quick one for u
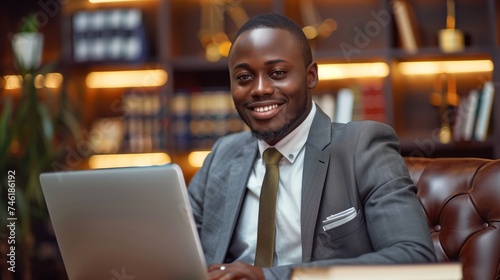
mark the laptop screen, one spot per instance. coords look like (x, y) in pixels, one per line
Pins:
(124, 222)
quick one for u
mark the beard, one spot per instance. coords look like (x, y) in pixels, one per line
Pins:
(271, 135)
(282, 131)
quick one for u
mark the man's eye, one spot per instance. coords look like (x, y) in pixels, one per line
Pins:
(244, 77)
(277, 73)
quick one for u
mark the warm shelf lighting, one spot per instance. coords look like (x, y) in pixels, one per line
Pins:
(438, 67)
(123, 79)
(197, 158)
(352, 70)
(50, 80)
(12, 81)
(128, 160)
(113, 1)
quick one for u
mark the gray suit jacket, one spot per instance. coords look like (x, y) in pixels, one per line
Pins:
(346, 165)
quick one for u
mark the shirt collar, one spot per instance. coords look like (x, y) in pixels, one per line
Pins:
(291, 144)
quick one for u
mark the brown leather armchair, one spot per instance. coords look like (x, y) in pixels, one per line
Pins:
(461, 197)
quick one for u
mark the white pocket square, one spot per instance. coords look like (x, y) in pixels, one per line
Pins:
(339, 219)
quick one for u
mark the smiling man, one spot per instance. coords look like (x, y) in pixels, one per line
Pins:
(270, 81)
(344, 195)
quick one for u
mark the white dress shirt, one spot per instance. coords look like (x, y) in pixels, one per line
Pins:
(288, 246)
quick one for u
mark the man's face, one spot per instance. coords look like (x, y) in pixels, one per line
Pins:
(270, 82)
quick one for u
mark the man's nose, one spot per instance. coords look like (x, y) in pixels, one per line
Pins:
(263, 86)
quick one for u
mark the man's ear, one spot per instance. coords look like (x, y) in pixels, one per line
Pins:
(312, 75)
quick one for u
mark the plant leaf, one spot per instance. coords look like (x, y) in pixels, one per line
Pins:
(72, 124)
(47, 125)
(5, 130)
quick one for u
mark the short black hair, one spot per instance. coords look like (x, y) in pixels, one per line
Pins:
(273, 20)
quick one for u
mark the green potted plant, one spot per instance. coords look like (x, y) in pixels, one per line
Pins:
(34, 130)
(27, 44)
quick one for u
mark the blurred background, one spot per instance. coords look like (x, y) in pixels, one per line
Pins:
(105, 83)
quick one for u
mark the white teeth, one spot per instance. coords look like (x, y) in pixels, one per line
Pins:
(265, 109)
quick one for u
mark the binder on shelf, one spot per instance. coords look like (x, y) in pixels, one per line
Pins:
(470, 109)
(180, 112)
(459, 121)
(406, 25)
(484, 111)
(373, 103)
(345, 104)
(357, 103)
(80, 36)
(196, 119)
(326, 102)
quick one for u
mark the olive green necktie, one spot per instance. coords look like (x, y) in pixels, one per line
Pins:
(267, 210)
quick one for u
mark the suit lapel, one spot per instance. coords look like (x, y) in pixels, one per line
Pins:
(315, 169)
(241, 166)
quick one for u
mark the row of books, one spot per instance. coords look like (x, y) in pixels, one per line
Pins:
(144, 118)
(358, 102)
(199, 117)
(109, 35)
(473, 114)
(141, 128)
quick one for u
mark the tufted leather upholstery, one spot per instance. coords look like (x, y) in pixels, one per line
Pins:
(461, 197)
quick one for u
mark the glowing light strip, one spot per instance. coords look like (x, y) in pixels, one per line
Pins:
(50, 80)
(197, 158)
(127, 160)
(352, 70)
(437, 67)
(13, 81)
(123, 79)
(113, 1)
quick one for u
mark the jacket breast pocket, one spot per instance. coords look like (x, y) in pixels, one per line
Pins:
(353, 230)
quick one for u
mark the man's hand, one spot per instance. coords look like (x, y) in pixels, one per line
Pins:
(237, 270)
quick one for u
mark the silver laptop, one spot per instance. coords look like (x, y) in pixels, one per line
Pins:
(124, 223)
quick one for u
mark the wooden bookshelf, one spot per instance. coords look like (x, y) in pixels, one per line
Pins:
(172, 29)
